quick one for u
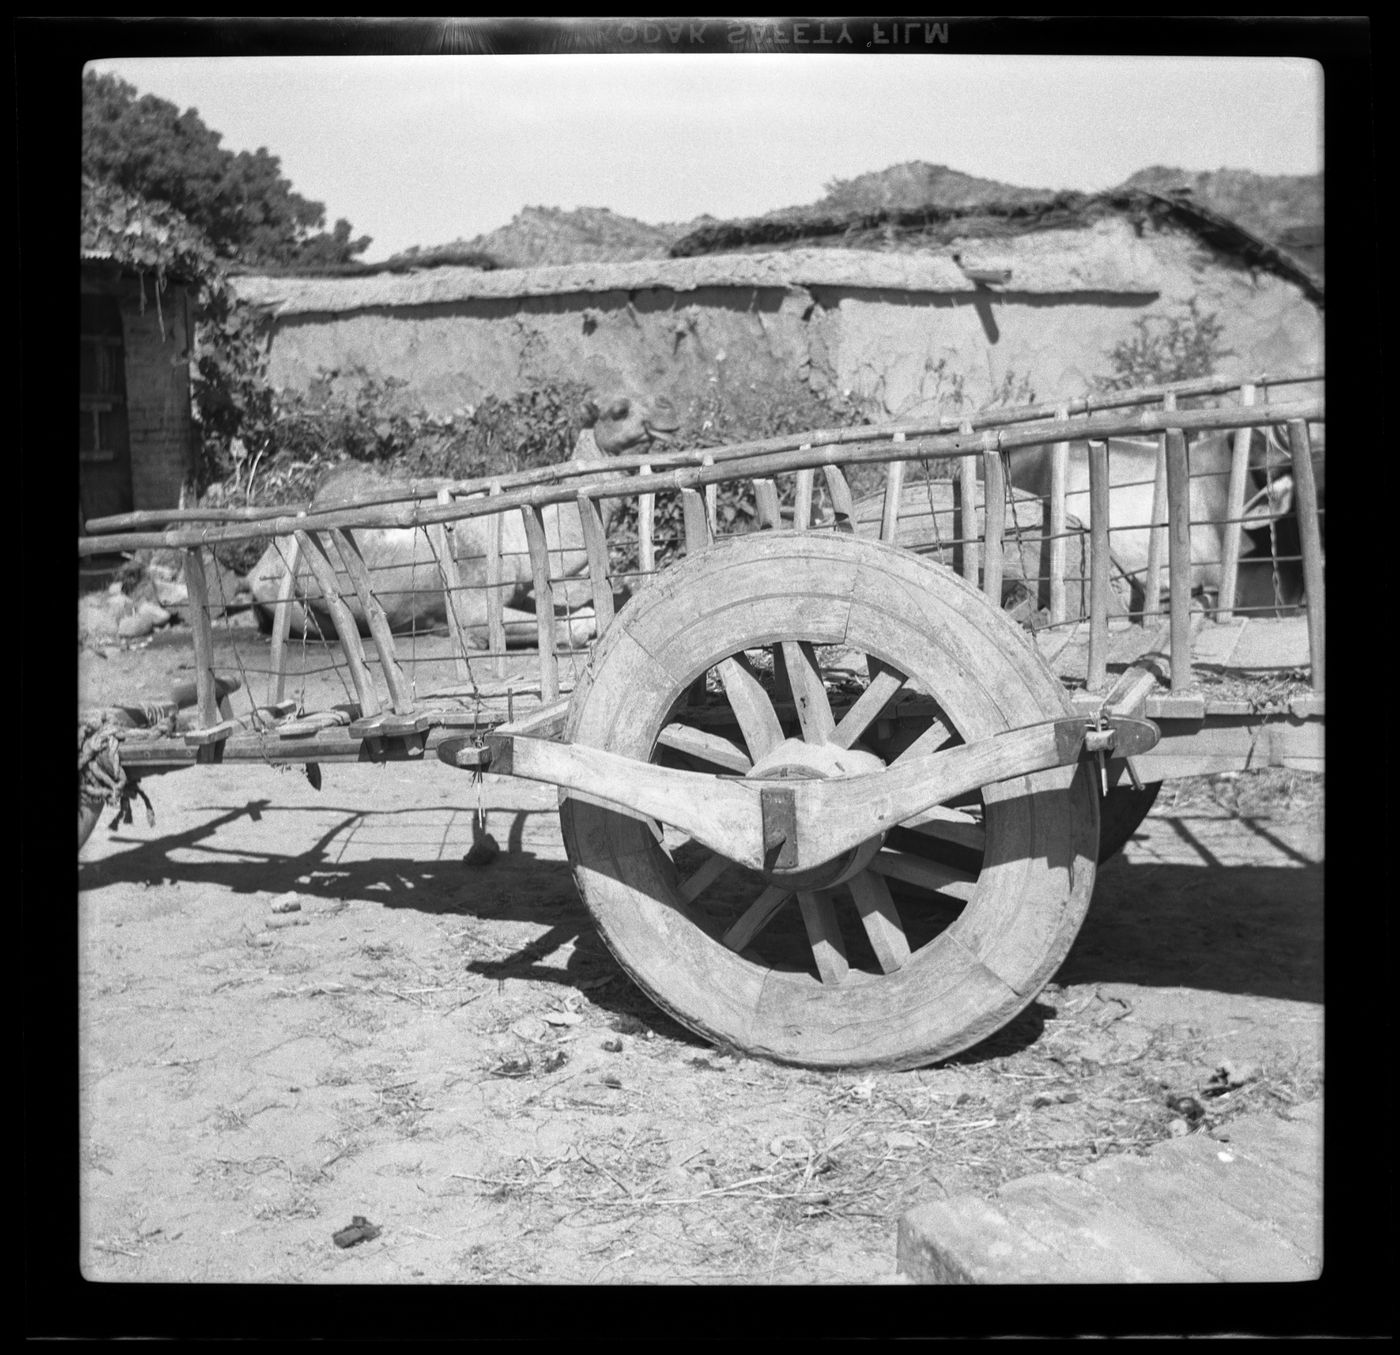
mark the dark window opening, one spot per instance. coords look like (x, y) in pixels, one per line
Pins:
(102, 428)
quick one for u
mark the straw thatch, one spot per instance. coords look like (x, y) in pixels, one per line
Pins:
(933, 227)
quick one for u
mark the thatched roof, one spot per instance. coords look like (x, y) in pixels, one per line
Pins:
(902, 251)
(934, 227)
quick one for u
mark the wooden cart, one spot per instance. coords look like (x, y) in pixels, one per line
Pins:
(827, 799)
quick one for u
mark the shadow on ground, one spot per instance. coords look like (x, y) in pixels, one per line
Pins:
(1192, 921)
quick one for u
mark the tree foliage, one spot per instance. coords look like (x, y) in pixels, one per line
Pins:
(240, 201)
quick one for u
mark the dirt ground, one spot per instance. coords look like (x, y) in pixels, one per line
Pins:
(450, 1052)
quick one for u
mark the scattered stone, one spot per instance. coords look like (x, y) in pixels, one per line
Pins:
(360, 1230)
(289, 902)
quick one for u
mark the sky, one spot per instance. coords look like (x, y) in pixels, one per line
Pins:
(424, 150)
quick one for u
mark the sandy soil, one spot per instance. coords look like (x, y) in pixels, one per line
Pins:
(451, 1053)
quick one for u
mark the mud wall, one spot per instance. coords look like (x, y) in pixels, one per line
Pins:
(900, 332)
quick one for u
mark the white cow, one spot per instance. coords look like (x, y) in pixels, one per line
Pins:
(1132, 466)
(403, 564)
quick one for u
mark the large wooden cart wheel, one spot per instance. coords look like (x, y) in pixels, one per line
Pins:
(807, 655)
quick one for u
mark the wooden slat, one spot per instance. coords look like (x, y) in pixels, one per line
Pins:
(824, 934)
(400, 693)
(646, 533)
(1215, 641)
(880, 917)
(802, 500)
(994, 523)
(1234, 504)
(1059, 479)
(495, 600)
(1099, 526)
(1179, 556)
(444, 545)
(696, 520)
(1157, 536)
(595, 544)
(843, 504)
(201, 630)
(711, 501)
(1310, 534)
(314, 553)
(765, 493)
(894, 490)
(282, 619)
(538, 542)
(966, 521)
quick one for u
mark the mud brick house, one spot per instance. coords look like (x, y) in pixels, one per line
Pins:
(908, 311)
(135, 427)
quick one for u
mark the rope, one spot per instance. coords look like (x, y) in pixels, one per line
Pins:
(101, 777)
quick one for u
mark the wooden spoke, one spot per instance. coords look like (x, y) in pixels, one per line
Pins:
(808, 691)
(881, 920)
(758, 721)
(756, 917)
(712, 868)
(829, 951)
(885, 684)
(707, 747)
(934, 738)
(931, 875)
(950, 825)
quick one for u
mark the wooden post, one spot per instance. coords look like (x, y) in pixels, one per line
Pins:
(967, 511)
(1234, 506)
(711, 501)
(538, 542)
(1179, 556)
(843, 504)
(994, 523)
(400, 693)
(696, 521)
(282, 620)
(894, 492)
(595, 543)
(765, 494)
(646, 533)
(1310, 538)
(444, 543)
(495, 602)
(1059, 478)
(802, 500)
(1098, 565)
(345, 628)
(206, 693)
(1157, 536)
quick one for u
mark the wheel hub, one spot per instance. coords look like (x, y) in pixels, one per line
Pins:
(794, 760)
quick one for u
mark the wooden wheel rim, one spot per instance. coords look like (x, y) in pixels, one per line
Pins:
(920, 618)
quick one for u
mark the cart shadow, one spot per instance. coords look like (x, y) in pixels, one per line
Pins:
(1252, 930)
